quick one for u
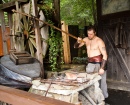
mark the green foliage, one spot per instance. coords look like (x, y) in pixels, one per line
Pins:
(55, 40)
(6, 18)
(77, 12)
(5, 1)
(55, 49)
(73, 12)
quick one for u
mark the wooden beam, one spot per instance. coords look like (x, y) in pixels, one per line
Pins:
(19, 97)
(7, 6)
(37, 34)
(66, 44)
(117, 53)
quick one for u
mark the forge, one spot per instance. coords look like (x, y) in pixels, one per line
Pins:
(73, 85)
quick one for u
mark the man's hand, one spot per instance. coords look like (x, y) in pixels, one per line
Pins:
(79, 43)
(101, 71)
(79, 40)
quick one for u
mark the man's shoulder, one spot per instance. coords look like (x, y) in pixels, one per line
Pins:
(99, 39)
(86, 38)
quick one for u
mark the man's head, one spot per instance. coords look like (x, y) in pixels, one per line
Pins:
(91, 31)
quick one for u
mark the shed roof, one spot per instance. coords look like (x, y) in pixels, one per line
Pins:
(11, 5)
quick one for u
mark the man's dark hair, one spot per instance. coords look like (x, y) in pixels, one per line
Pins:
(91, 27)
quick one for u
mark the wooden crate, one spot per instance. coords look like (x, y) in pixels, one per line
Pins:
(21, 58)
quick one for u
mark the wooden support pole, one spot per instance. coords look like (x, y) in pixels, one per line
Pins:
(66, 44)
(38, 36)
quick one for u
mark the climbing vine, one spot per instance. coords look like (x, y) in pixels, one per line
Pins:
(54, 41)
(55, 49)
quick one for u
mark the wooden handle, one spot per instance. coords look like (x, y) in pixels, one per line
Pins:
(25, 14)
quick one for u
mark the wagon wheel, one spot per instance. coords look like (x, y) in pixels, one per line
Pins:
(27, 30)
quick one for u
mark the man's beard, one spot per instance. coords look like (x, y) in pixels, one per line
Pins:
(91, 38)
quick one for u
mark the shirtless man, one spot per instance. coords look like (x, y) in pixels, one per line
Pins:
(97, 55)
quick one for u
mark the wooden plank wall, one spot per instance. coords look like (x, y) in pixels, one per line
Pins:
(118, 65)
(1, 44)
(3, 31)
(7, 30)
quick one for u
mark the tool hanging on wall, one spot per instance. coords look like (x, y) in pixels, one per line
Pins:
(31, 16)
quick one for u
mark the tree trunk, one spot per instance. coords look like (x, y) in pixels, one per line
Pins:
(94, 12)
(56, 5)
(1, 2)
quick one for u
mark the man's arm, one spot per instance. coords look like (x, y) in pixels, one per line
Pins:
(80, 42)
(102, 49)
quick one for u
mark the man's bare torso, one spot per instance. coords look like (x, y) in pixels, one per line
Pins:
(92, 46)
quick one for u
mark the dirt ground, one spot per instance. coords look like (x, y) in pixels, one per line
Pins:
(118, 97)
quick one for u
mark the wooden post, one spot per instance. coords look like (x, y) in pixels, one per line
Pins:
(5, 50)
(10, 26)
(20, 40)
(66, 45)
(37, 34)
